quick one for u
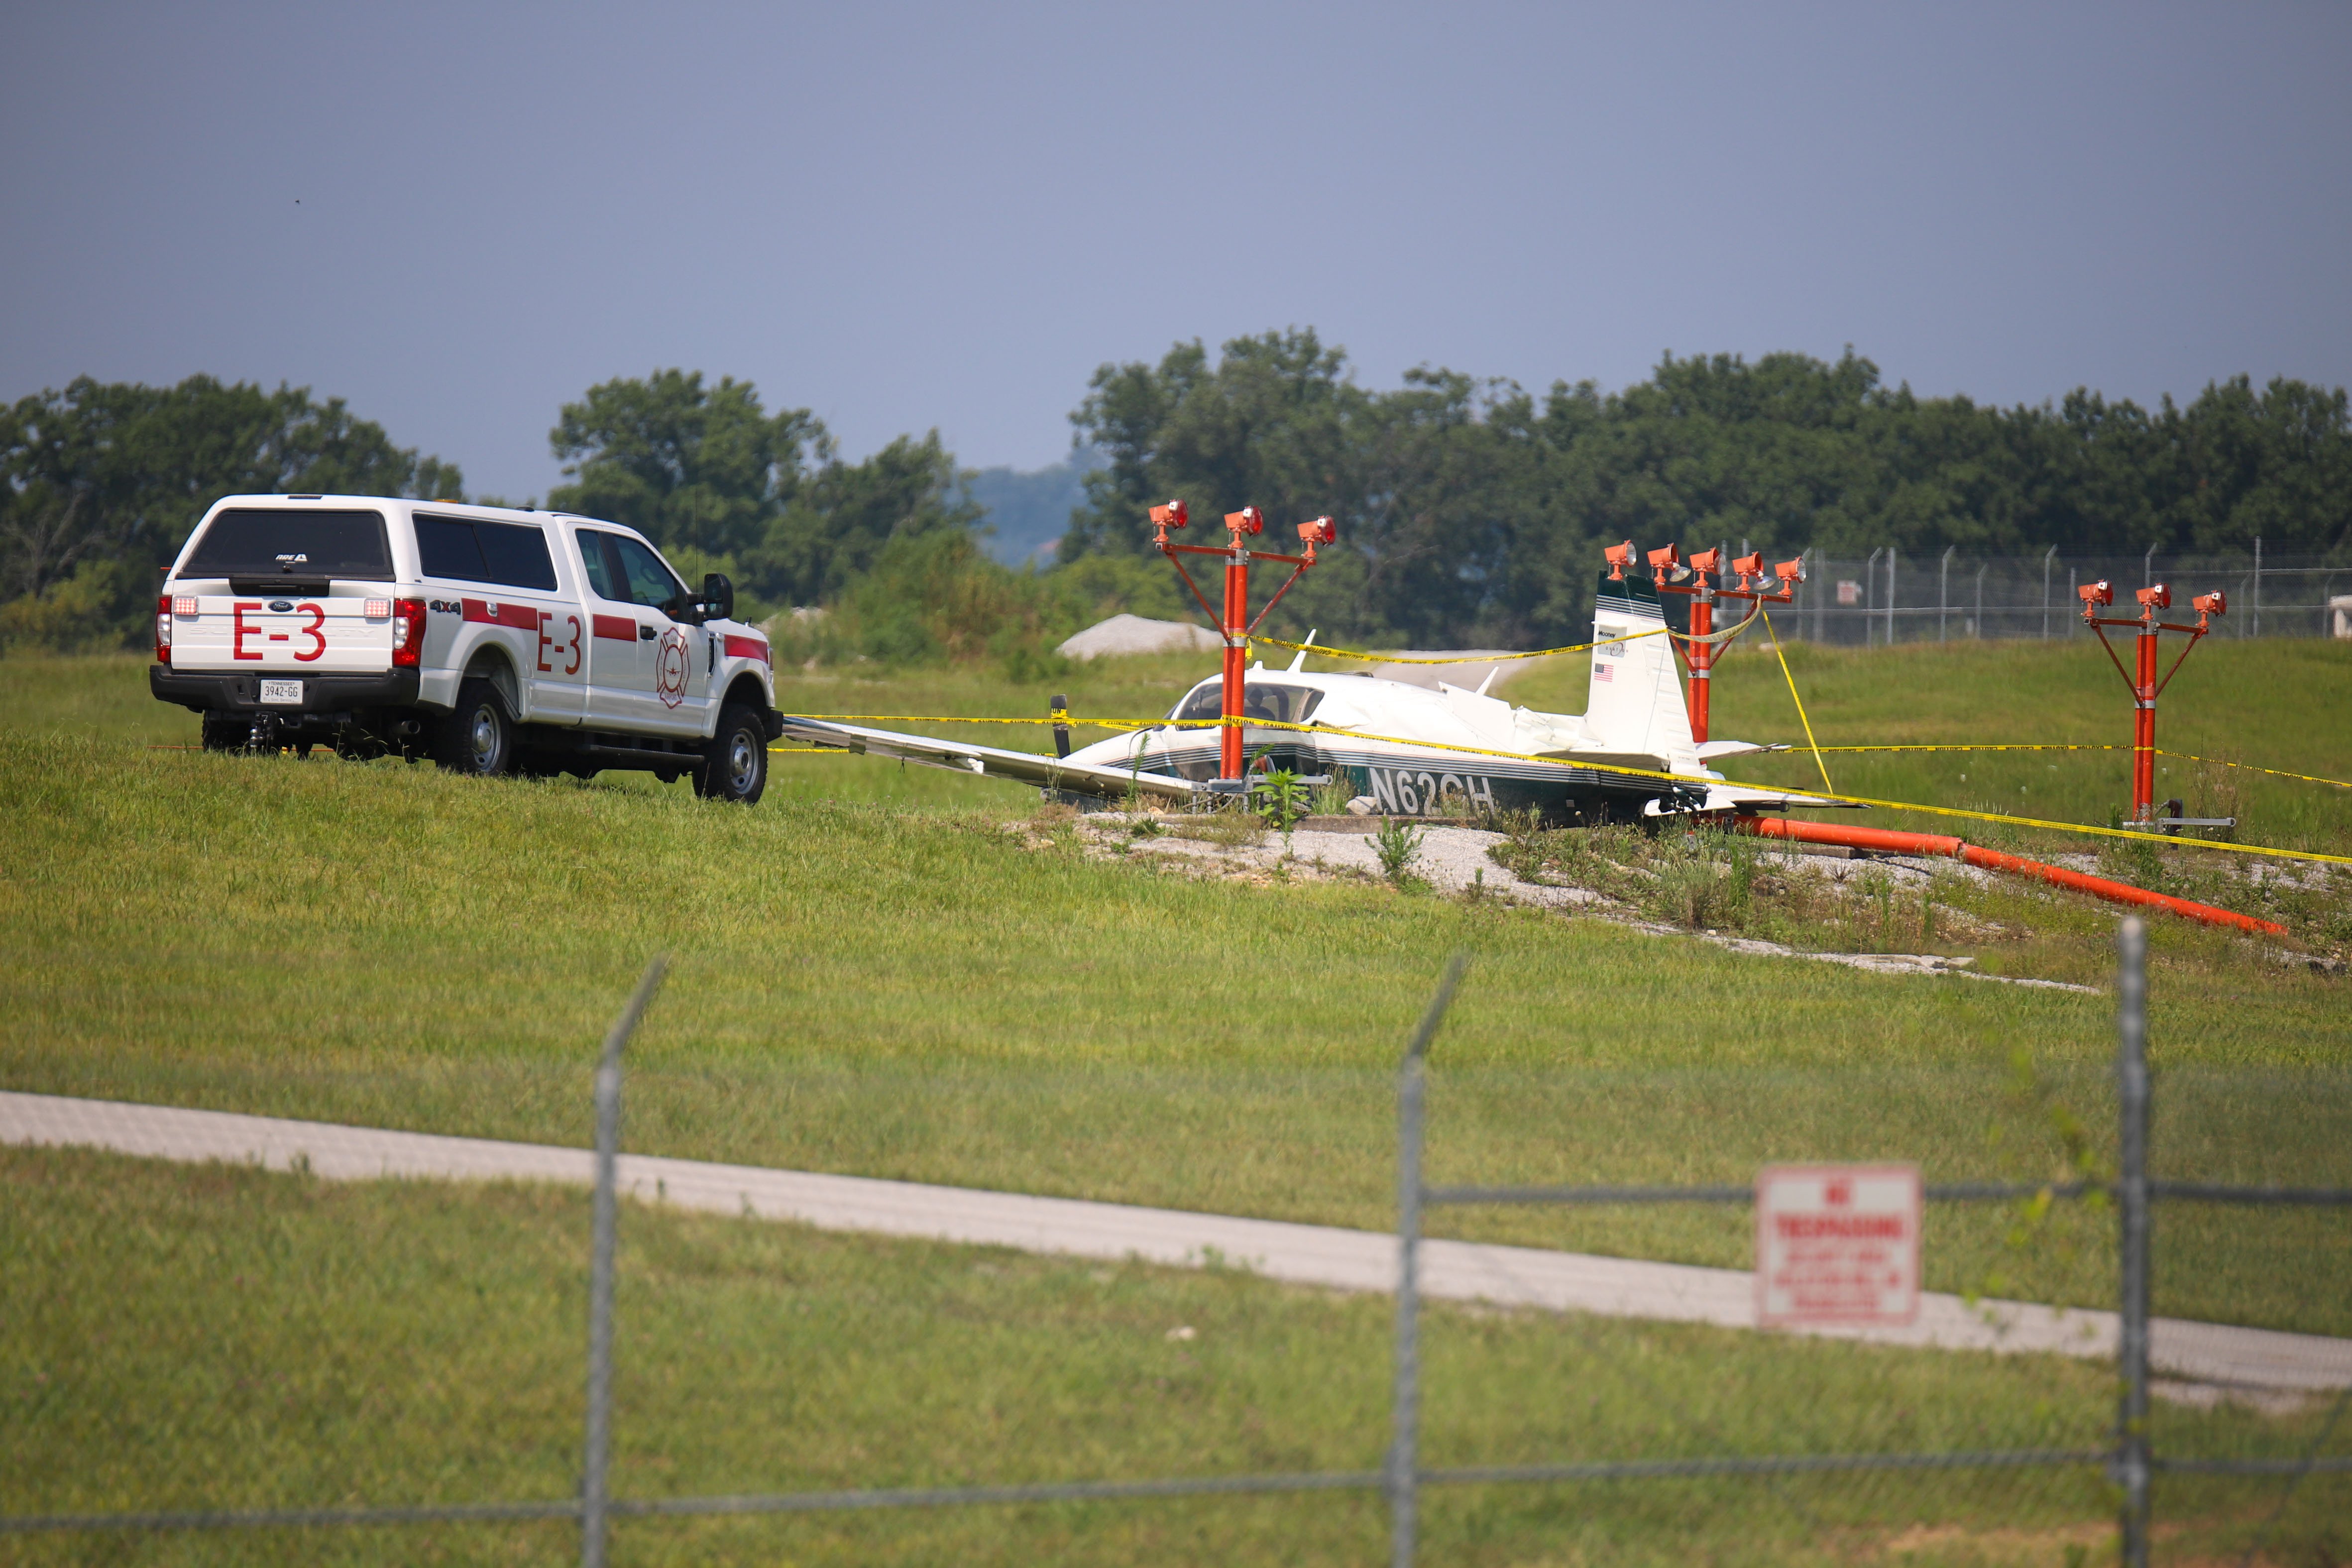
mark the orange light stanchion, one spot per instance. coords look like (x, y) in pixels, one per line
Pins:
(1706, 564)
(1245, 523)
(1234, 622)
(2142, 678)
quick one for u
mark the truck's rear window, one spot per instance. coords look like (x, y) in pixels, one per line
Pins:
(512, 554)
(256, 542)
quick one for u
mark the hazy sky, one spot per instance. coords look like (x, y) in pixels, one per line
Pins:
(904, 216)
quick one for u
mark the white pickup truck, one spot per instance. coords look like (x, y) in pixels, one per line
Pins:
(491, 639)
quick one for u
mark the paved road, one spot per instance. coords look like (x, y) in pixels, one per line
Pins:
(2256, 1359)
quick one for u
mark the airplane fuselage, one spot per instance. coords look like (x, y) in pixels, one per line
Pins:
(1405, 750)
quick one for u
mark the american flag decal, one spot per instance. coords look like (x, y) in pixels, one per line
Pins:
(1602, 671)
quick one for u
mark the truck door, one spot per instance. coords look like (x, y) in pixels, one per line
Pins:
(501, 577)
(646, 669)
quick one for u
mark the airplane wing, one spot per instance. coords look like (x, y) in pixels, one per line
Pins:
(1643, 761)
(988, 761)
(1721, 798)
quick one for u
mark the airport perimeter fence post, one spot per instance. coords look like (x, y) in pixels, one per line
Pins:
(1404, 1459)
(2132, 1457)
(594, 1491)
(1406, 1401)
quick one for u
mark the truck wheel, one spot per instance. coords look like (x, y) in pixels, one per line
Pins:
(226, 732)
(478, 736)
(735, 766)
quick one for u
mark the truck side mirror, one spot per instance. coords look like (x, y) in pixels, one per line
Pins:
(717, 598)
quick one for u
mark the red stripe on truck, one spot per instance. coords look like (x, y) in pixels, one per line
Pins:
(616, 626)
(746, 647)
(522, 618)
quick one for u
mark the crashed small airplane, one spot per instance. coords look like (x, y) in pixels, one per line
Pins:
(1431, 748)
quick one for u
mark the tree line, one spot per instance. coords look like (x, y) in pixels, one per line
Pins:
(1470, 512)
(100, 484)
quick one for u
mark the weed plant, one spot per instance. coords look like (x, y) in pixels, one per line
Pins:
(1398, 845)
(1281, 801)
(1330, 797)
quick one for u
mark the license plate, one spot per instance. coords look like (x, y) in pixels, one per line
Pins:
(282, 691)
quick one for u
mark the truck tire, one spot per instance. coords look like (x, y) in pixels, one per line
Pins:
(735, 765)
(226, 732)
(478, 736)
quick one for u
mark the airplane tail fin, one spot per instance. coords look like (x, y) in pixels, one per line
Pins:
(1636, 698)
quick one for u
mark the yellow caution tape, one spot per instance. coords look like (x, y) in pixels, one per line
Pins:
(1717, 638)
(1683, 779)
(962, 718)
(2087, 746)
(1812, 746)
(1799, 701)
(1245, 723)
(1988, 746)
(2275, 772)
(1467, 658)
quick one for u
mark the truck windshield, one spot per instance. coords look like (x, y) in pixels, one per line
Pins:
(259, 541)
(1260, 699)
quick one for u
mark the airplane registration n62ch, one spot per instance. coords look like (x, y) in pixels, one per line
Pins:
(1404, 750)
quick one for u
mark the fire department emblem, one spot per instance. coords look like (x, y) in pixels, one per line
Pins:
(671, 662)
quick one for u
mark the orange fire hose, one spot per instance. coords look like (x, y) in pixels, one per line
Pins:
(1893, 843)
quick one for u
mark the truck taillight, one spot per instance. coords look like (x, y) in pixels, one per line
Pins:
(407, 632)
(163, 629)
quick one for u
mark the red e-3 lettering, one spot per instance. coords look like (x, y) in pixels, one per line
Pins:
(239, 631)
(318, 639)
(547, 619)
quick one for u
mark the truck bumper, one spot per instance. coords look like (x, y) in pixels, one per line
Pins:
(223, 691)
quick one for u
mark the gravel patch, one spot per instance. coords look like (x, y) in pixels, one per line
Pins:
(1454, 861)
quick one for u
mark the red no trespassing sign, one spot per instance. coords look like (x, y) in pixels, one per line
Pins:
(1837, 1243)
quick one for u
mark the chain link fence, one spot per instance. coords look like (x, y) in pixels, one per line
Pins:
(2050, 1466)
(1623, 1410)
(1889, 597)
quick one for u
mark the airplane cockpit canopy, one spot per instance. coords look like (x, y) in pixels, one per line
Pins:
(1268, 701)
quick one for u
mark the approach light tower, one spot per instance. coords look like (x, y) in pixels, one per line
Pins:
(1701, 576)
(1246, 524)
(2147, 687)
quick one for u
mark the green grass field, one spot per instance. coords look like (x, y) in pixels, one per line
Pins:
(871, 976)
(282, 1339)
